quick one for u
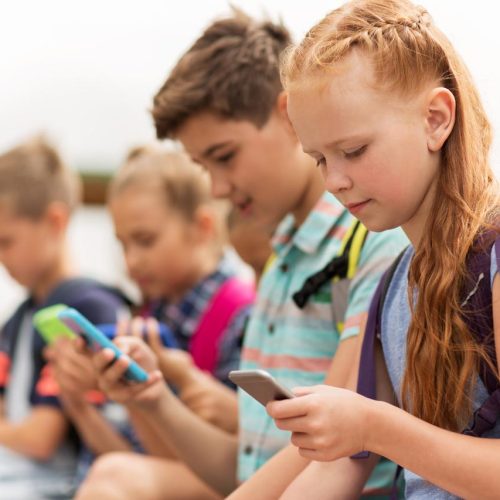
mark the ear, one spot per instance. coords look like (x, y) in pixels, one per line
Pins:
(57, 217)
(281, 109)
(440, 117)
(204, 224)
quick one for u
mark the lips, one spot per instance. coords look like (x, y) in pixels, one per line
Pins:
(244, 206)
(357, 206)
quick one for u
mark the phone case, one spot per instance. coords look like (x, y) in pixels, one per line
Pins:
(260, 385)
(50, 326)
(97, 340)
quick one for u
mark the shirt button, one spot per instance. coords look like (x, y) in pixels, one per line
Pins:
(284, 267)
(248, 450)
(270, 328)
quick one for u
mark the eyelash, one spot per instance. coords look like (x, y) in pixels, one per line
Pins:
(349, 156)
(226, 158)
(355, 154)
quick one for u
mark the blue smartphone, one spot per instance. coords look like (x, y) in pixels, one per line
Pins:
(166, 336)
(97, 340)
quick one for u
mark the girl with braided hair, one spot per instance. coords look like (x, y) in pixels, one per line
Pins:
(380, 98)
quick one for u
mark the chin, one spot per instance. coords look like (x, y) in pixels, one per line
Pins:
(378, 226)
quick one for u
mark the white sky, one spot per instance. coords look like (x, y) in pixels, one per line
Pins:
(85, 72)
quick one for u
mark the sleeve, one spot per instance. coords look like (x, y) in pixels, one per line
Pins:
(4, 371)
(46, 389)
(377, 254)
(230, 347)
(100, 305)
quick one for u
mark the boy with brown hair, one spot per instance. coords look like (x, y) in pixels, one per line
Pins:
(224, 102)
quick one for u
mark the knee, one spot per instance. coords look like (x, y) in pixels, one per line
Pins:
(107, 477)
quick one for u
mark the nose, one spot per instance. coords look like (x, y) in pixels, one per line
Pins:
(336, 178)
(221, 187)
(132, 260)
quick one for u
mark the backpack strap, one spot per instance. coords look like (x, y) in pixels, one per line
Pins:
(481, 325)
(232, 296)
(343, 265)
(367, 373)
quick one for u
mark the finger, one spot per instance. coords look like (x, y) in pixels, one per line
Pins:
(288, 408)
(114, 372)
(153, 334)
(81, 346)
(102, 359)
(122, 327)
(298, 424)
(128, 344)
(137, 327)
(49, 354)
(304, 391)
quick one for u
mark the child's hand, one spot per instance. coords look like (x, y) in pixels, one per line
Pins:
(111, 373)
(212, 401)
(326, 422)
(72, 370)
(176, 365)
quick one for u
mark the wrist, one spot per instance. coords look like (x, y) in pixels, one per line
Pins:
(379, 424)
(151, 404)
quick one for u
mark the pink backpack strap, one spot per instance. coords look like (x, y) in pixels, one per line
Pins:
(231, 297)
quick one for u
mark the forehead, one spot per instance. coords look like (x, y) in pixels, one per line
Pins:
(346, 99)
(205, 129)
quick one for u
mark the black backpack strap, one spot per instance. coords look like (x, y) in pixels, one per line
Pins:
(336, 268)
(367, 373)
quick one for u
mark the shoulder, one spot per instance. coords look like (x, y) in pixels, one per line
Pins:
(380, 250)
(98, 302)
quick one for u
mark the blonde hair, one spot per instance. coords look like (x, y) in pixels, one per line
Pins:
(32, 175)
(407, 51)
(183, 184)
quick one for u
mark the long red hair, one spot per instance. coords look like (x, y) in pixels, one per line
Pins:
(408, 51)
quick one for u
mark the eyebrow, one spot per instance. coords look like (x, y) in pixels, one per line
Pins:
(339, 141)
(213, 148)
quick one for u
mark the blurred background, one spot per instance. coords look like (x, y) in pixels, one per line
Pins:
(85, 73)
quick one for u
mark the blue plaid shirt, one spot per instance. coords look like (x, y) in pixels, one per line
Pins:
(183, 318)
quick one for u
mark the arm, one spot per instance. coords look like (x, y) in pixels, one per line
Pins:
(345, 477)
(155, 443)
(190, 436)
(272, 479)
(92, 427)
(199, 391)
(38, 436)
(463, 465)
(75, 376)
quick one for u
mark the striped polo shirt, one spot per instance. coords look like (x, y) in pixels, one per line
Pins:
(297, 345)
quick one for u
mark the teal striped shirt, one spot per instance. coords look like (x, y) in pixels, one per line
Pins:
(297, 345)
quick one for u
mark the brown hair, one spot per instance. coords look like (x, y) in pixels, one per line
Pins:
(32, 175)
(407, 52)
(231, 71)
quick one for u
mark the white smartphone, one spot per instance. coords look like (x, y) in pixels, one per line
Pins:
(261, 385)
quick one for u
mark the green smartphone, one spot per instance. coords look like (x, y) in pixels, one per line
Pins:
(50, 326)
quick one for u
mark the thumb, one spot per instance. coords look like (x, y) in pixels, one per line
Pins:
(304, 391)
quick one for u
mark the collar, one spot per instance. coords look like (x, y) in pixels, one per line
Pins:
(313, 230)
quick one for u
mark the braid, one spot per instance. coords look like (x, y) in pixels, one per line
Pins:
(407, 53)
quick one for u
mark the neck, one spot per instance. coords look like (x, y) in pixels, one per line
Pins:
(415, 227)
(61, 269)
(311, 194)
(204, 264)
